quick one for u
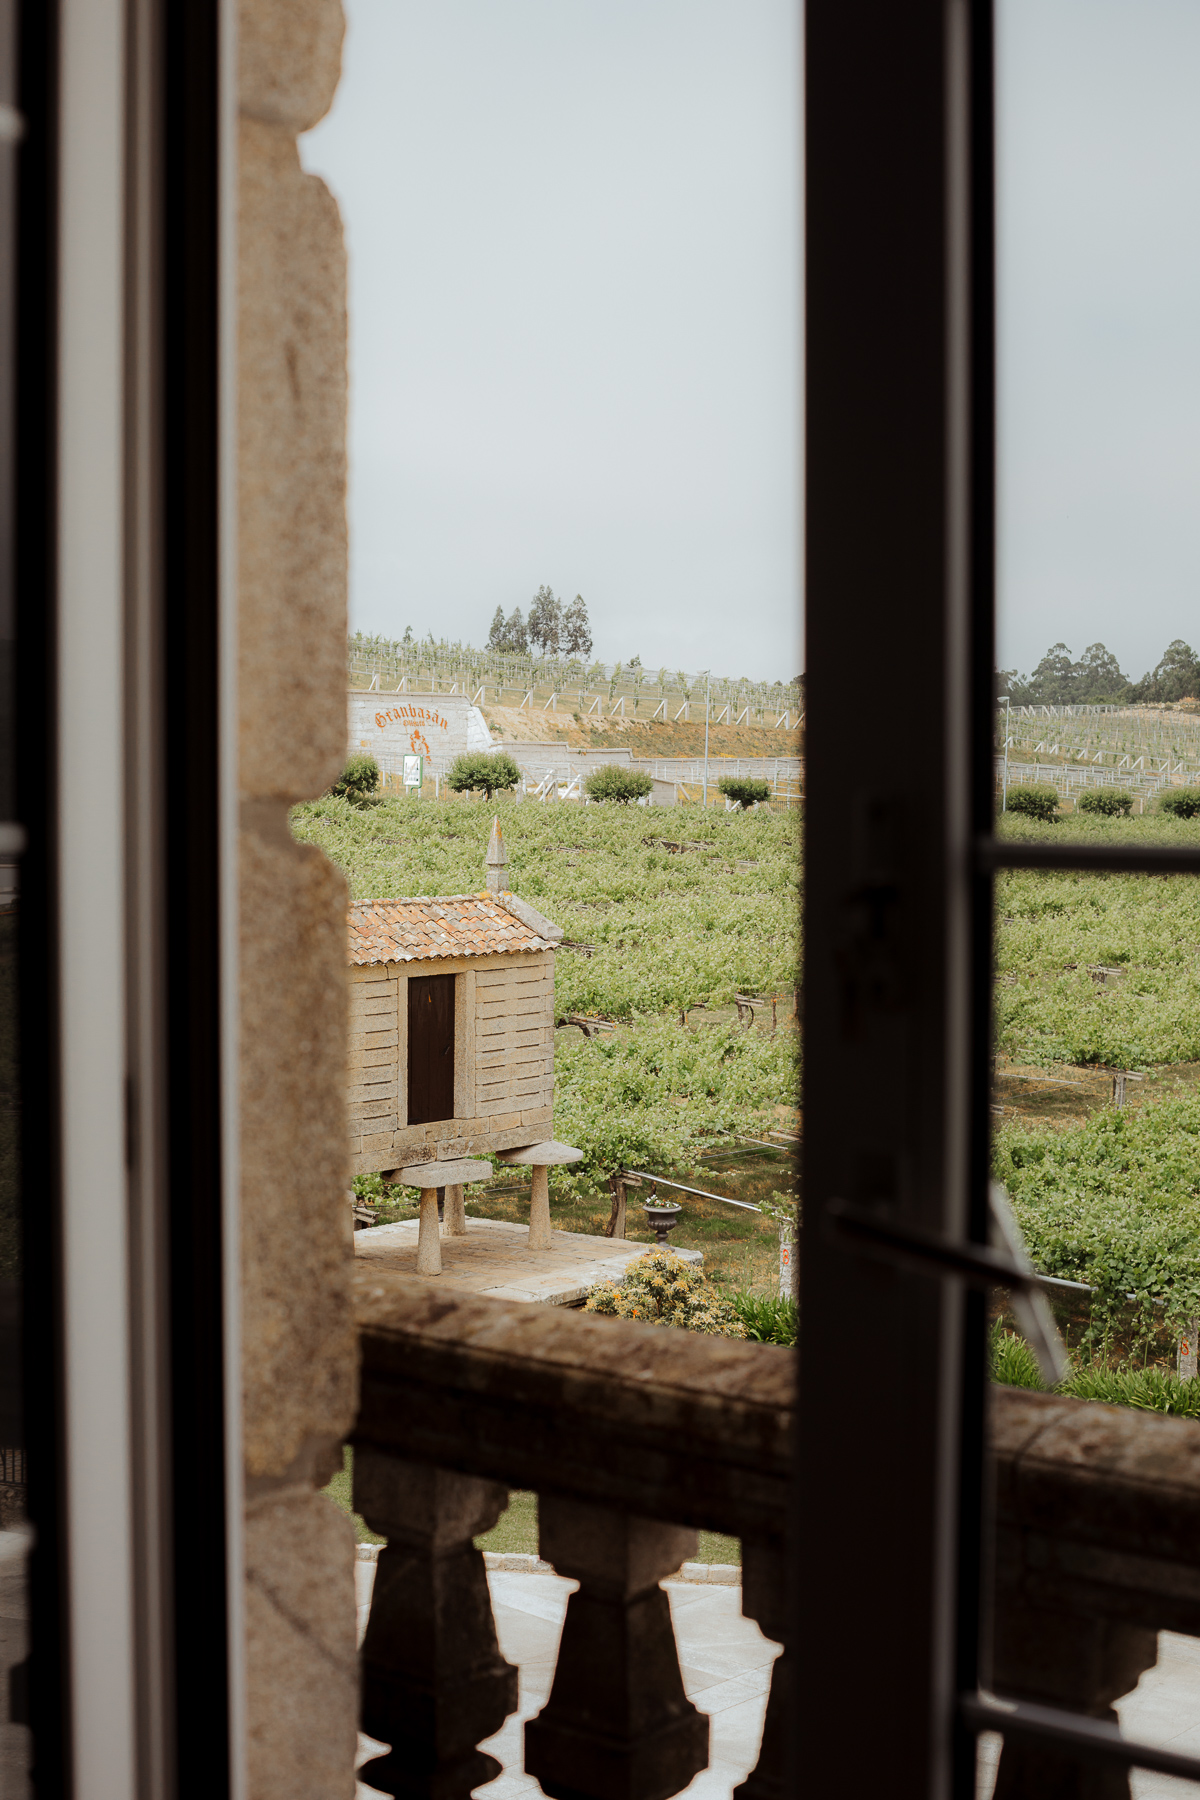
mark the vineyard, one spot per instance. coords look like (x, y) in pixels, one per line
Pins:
(1094, 974)
(655, 930)
(595, 689)
(1141, 749)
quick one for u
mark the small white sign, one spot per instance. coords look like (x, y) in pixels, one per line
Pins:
(414, 771)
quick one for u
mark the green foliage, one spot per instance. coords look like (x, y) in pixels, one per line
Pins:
(744, 789)
(612, 782)
(1110, 803)
(1180, 803)
(1033, 802)
(667, 930)
(1013, 1362)
(483, 771)
(768, 1319)
(1150, 1390)
(662, 1289)
(1114, 1202)
(1053, 928)
(655, 1096)
(358, 780)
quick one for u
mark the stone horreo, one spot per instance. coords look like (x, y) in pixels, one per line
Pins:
(451, 1055)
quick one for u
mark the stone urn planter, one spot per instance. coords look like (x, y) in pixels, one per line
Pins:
(661, 1216)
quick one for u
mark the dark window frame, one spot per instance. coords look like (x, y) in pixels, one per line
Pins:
(892, 1519)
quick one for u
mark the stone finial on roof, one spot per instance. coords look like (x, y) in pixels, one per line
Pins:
(497, 861)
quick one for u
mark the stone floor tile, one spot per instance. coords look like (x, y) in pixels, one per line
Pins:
(717, 1696)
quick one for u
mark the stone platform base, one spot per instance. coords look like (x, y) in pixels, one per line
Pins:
(495, 1259)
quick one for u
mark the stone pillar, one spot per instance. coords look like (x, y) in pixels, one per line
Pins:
(429, 1247)
(456, 1217)
(1058, 1657)
(765, 1600)
(539, 1209)
(617, 1725)
(434, 1681)
(298, 1338)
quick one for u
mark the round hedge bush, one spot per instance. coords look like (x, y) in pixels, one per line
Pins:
(1180, 803)
(483, 771)
(744, 789)
(1030, 802)
(358, 780)
(1110, 803)
(611, 782)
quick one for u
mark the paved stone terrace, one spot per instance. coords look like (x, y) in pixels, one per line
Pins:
(494, 1259)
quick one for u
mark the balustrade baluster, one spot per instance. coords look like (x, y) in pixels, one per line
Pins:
(617, 1725)
(765, 1600)
(433, 1680)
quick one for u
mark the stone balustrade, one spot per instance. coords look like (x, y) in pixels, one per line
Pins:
(635, 1437)
(1097, 1550)
(632, 1437)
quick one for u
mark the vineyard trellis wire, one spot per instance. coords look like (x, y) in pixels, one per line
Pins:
(461, 668)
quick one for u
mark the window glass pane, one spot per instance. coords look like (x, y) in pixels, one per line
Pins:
(573, 239)
(1096, 1101)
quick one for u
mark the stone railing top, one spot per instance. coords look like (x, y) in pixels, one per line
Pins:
(1110, 1474)
(1097, 1510)
(671, 1424)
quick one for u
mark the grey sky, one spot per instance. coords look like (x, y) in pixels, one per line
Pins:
(1100, 326)
(572, 228)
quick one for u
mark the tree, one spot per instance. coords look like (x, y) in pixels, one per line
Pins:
(612, 782)
(744, 789)
(496, 636)
(516, 638)
(1099, 679)
(358, 780)
(545, 622)
(482, 772)
(1053, 681)
(1176, 677)
(576, 631)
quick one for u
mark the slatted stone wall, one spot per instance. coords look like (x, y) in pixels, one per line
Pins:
(503, 1059)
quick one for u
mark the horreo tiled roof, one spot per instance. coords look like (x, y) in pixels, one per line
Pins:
(419, 930)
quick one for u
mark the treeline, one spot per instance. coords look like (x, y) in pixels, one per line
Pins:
(552, 629)
(1098, 680)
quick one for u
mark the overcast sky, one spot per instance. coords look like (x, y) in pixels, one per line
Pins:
(572, 228)
(1099, 165)
(574, 292)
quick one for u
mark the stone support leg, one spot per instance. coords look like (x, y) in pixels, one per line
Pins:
(539, 1209)
(617, 1725)
(456, 1218)
(1059, 1658)
(765, 1600)
(429, 1243)
(433, 1680)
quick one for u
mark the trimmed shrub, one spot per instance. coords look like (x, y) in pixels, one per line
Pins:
(661, 1289)
(1032, 802)
(612, 782)
(358, 781)
(1108, 802)
(744, 789)
(1180, 803)
(483, 771)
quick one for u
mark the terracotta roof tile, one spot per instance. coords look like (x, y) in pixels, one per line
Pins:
(421, 929)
